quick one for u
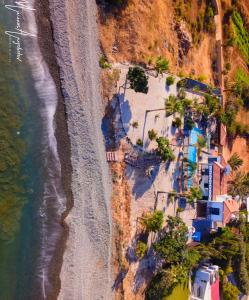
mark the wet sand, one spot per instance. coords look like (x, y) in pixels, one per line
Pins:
(45, 38)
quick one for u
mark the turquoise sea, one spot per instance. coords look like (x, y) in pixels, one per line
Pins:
(31, 198)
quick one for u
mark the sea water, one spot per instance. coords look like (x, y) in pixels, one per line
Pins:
(31, 196)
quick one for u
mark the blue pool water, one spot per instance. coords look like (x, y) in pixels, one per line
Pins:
(194, 135)
(192, 151)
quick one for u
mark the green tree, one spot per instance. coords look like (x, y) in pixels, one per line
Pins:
(235, 162)
(241, 270)
(177, 122)
(230, 291)
(103, 63)
(141, 249)
(170, 80)
(194, 194)
(172, 246)
(162, 65)
(161, 285)
(152, 134)
(138, 79)
(153, 221)
(163, 150)
(201, 143)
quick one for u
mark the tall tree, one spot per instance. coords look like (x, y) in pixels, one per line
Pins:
(138, 79)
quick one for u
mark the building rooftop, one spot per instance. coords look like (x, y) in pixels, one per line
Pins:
(231, 207)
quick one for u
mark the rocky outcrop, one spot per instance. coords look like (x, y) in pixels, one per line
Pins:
(185, 41)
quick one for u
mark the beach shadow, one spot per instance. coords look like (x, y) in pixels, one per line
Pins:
(107, 127)
(119, 279)
(144, 126)
(177, 173)
(173, 130)
(167, 88)
(125, 111)
(142, 180)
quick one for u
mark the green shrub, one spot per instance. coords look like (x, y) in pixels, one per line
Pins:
(152, 134)
(140, 143)
(134, 124)
(162, 65)
(179, 210)
(202, 78)
(141, 249)
(209, 24)
(153, 221)
(138, 79)
(230, 291)
(103, 63)
(228, 66)
(170, 80)
(181, 83)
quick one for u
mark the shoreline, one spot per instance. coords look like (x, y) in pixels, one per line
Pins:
(87, 258)
(45, 40)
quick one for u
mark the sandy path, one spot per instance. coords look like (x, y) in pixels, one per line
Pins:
(86, 271)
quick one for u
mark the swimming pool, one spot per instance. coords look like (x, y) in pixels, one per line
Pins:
(192, 151)
(195, 132)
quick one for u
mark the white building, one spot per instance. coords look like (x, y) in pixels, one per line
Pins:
(206, 284)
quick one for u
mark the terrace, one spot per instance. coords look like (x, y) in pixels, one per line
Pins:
(151, 180)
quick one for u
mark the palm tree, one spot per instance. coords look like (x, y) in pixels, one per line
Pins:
(194, 194)
(164, 150)
(173, 105)
(190, 166)
(239, 185)
(201, 143)
(235, 162)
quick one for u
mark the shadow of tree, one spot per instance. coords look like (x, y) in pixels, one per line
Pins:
(145, 270)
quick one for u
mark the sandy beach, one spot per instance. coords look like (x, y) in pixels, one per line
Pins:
(86, 271)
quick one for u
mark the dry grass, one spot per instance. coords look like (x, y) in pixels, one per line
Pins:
(145, 29)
